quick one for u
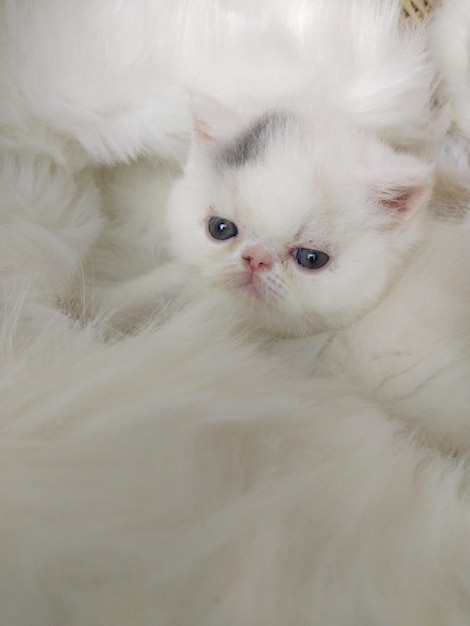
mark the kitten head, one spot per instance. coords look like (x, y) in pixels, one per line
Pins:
(304, 221)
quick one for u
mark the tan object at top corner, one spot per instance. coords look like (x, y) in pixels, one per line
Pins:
(416, 10)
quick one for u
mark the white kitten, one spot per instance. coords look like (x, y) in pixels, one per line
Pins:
(311, 224)
(287, 213)
(350, 57)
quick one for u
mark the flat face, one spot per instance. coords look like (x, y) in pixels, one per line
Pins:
(302, 223)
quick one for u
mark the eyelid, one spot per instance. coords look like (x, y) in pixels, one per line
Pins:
(313, 245)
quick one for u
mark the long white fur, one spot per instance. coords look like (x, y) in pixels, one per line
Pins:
(105, 81)
(178, 476)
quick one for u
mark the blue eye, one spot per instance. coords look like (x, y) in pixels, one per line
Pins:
(220, 228)
(310, 259)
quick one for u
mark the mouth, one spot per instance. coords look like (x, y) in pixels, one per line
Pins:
(249, 284)
(253, 290)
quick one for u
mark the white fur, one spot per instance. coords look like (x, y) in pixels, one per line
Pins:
(450, 36)
(318, 186)
(179, 476)
(147, 485)
(49, 221)
(107, 80)
(93, 95)
(394, 295)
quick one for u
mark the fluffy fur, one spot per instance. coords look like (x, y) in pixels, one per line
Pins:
(49, 221)
(393, 297)
(122, 94)
(244, 494)
(189, 473)
(352, 60)
(317, 183)
(450, 36)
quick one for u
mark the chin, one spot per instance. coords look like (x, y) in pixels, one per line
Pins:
(269, 316)
(270, 320)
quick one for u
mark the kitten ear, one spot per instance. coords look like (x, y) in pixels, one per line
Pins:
(212, 120)
(401, 198)
(403, 187)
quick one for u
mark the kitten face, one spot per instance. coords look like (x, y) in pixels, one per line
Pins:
(302, 223)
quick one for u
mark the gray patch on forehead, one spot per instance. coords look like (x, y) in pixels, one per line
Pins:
(254, 140)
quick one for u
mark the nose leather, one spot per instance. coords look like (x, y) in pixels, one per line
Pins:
(257, 258)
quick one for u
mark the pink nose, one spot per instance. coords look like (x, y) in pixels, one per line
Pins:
(257, 258)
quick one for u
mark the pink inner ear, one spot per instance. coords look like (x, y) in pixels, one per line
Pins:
(401, 200)
(202, 132)
(212, 120)
(397, 203)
